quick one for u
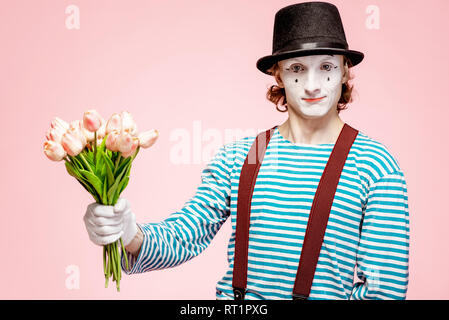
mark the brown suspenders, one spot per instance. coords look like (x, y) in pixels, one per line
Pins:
(318, 217)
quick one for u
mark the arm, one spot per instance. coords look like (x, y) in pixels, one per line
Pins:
(187, 232)
(134, 246)
(383, 254)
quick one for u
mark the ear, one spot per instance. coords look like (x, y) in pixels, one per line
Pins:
(278, 79)
(345, 76)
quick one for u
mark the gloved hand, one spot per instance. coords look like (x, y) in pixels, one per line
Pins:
(107, 224)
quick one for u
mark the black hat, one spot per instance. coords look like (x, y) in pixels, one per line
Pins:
(308, 28)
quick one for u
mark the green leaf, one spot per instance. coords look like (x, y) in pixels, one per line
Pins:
(122, 165)
(93, 180)
(99, 163)
(105, 189)
(99, 160)
(103, 143)
(103, 170)
(113, 189)
(71, 170)
(122, 185)
(90, 190)
(101, 149)
(124, 182)
(89, 156)
(74, 172)
(109, 168)
(85, 163)
(77, 162)
(79, 177)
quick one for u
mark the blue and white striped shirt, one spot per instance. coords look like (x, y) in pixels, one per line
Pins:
(367, 232)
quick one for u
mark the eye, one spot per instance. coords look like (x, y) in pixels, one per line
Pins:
(295, 68)
(328, 65)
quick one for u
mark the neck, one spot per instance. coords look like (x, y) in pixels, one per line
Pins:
(325, 129)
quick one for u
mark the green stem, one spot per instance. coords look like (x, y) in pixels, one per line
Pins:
(109, 261)
(104, 260)
(125, 254)
(106, 266)
(117, 162)
(85, 162)
(119, 268)
(113, 260)
(95, 148)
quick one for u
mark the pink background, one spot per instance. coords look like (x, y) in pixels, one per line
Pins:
(170, 64)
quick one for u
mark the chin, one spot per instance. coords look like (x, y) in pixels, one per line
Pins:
(313, 111)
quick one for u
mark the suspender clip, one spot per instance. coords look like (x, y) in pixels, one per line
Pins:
(239, 294)
(296, 296)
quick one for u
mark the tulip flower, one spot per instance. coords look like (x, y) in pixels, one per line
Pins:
(114, 123)
(112, 140)
(75, 129)
(125, 142)
(60, 124)
(54, 150)
(71, 144)
(89, 135)
(55, 134)
(91, 120)
(57, 128)
(148, 138)
(102, 130)
(131, 152)
(128, 123)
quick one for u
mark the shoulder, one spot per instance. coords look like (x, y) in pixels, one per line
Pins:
(373, 158)
(238, 149)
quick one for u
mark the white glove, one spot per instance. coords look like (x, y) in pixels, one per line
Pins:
(107, 224)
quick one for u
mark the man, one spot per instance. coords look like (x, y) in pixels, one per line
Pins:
(368, 227)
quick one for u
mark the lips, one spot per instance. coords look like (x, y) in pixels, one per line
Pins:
(313, 100)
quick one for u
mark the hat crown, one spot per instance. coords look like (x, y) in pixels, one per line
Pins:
(307, 22)
(308, 28)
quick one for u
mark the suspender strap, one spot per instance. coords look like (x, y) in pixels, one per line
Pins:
(247, 181)
(318, 218)
(319, 213)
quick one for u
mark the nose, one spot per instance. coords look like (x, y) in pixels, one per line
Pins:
(312, 87)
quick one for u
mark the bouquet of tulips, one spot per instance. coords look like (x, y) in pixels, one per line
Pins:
(99, 154)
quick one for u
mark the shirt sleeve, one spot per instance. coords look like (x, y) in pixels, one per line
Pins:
(383, 253)
(187, 232)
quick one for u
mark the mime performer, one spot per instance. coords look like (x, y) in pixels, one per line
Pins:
(326, 206)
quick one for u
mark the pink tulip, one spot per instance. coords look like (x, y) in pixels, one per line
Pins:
(71, 144)
(59, 124)
(91, 120)
(114, 123)
(102, 130)
(128, 123)
(125, 142)
(112, 140)
(75, 129)
(89, 135)
(148, 138)
(54, 150)
(57, 128)
(55, 134)
(133, 148)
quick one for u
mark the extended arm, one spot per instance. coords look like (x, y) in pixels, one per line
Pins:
(187, 232)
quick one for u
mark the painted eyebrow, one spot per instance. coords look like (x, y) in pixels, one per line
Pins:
(325, 58)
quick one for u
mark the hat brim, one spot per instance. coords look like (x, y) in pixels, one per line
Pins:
(266, 62)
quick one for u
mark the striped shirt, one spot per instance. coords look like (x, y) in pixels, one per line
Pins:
(365, 250)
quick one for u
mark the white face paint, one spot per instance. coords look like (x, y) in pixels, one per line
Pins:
(308, 77)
